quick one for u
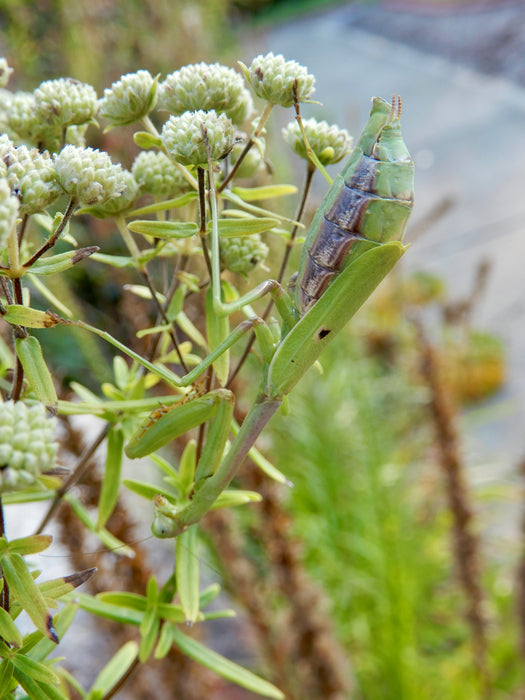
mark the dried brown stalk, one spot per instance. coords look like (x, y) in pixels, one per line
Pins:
(174, 676)
(298, 645)
(466, 545)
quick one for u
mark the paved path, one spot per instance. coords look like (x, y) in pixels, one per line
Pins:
(466, 131)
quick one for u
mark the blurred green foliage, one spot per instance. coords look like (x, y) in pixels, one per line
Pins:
(369, 505)
(98, 41)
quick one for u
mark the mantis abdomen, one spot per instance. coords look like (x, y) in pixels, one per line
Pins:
(368, 204)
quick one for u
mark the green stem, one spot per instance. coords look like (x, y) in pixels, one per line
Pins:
(141, 267)
(55, 236)
(262, 121)
(83, 465)
(256, 420)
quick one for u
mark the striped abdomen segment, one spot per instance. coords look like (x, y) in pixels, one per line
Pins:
(369, 204)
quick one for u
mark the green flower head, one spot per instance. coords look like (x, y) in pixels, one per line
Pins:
(63, 102)
(9, 208)
(157, 174)
(31, 176)
(329, 143)
(129, 99)
(88, 175)
(184, 137)
(27, 444)
(204, 86)
(278, 81)
(242, 254)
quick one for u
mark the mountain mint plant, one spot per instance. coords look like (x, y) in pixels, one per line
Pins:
(193, 243)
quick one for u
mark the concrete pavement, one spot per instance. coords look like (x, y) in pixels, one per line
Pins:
(466, 131)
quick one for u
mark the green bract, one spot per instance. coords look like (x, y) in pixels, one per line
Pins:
(329, 143)
(27, 444)
(183, 137)
(206, 86)
(88, 175)
(157, 174)
(278, 81)
(129, 99)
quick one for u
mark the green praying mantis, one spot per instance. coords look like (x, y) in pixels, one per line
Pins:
(354, 241)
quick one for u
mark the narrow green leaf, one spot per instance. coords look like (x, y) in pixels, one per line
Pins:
(20, 315)
(62, 261)
(189, 328)
(219, 614)
(149, 630)
(166, 204)
(171, 612)
(111, 481)
(72, 681)
(253, 194)
(114, 260)
(52, 692)
(36, 671)
(114, 670)
(6, 674)
(164, 229)
(187, 573)
(26, 592)
(8, 630)
(244, 227)
(232, 497)
(224, 667)
(38, 375)
(209, 594)
(148, 491)
(134, 601)
(126, 616)
(145, 140)
(165, 641)
(58, 587)
(30, 545)
(176, 303)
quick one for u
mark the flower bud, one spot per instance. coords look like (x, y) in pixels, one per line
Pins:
(253, 160)
(88, 175)
(157, 174)
(184, 137)
(62, 102)
(9, 207)
(22, 118)
(31, 176)
(278, 81)
(242, 254)
(27, 445)
(118, 205)
(129, 99)
(206, 86)
(329, 143)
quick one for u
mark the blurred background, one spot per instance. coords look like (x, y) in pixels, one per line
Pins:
(394, 569)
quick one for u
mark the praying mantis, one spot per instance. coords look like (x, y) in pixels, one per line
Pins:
(354, 241)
